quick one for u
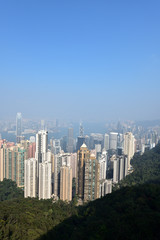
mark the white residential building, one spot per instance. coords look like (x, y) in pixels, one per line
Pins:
(41, 146)
(30, 178)
(106, 141)
(129, 146)
(45, 180)
(113, 140)
(103, 166)
(105, 187)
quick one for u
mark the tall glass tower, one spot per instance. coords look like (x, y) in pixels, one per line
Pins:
(18, 127)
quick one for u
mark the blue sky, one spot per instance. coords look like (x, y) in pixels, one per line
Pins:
(88, 60)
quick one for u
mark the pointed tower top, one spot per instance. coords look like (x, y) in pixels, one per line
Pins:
(83, 145)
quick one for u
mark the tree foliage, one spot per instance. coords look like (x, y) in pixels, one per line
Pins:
(9, 190)
(146, 168)
(129, 213)
(31, 218)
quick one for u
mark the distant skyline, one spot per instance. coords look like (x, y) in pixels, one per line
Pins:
(80, 60)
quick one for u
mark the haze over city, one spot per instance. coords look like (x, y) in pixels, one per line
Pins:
(90, 60)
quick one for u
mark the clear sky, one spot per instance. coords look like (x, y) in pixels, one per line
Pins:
(88, 59)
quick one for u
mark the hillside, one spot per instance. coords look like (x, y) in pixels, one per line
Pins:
(28, 219)
(146, 168)
(129, 213)
(9, 190)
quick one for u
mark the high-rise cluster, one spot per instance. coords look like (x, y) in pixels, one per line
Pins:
(63, 168)
(89, 173)
(38, 169)
(12, 159)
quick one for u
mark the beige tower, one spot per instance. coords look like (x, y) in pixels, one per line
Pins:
(82, 155)
(66, 183)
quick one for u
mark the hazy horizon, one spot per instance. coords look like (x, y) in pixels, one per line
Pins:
(87, 60)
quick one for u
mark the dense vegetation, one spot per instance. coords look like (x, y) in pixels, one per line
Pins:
(129, 213)
(146, 168)
(133, 212)
(9, 190)
(28, 219)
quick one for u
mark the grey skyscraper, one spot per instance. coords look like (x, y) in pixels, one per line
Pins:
(106, 141)
(113, 140)
(80, 138)
(81, 130)
(80, 141)
(18, 127)
(70, 140)
(41, 146)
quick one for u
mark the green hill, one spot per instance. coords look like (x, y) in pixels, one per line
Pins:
(129, 213)
(28, 219)
(9, 190)
(146, 168)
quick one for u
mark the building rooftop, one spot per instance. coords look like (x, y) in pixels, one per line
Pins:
(83, 145)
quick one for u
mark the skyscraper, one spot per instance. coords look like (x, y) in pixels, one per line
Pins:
(106, 141)
(44, 165)
(115, 170)
(56, 146)
(74, 164)
(18, 127)
(80, 141)
(44, 180)
(113, 140)
(12, 162)
(41, 146)
(64, 143)
(120, 167)
(70, 140)
(31, 150)
(87, 186)
(30, 178)
(61, 159)
(21, 156)
(66, 183)
(103, 166)
(91, 179)
(82, 155)
(105, 187)
(129, 146)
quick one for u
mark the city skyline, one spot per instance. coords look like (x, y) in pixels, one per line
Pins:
(86, 165)
(79, 122)
(80, 60)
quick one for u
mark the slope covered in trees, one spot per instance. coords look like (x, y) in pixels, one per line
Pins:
(146, 168)
(9, 190)
(129, 213)
(28, 219)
